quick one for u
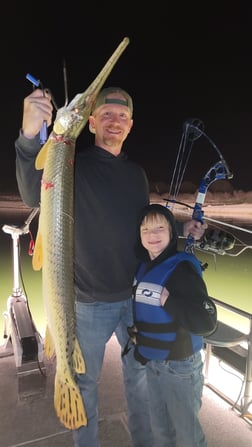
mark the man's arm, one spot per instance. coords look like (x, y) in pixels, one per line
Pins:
(37, 109)
(28, 178)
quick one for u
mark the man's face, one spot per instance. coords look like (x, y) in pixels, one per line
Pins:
(111, 123)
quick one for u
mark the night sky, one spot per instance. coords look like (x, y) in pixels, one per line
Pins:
(182, 62)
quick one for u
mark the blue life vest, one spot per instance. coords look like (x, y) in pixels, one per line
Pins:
(157, 331)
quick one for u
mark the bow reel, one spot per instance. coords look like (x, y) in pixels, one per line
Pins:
(216, 241)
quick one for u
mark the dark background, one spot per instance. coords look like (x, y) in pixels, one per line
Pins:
(184, 61)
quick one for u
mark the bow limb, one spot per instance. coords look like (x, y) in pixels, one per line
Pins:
(219, 171)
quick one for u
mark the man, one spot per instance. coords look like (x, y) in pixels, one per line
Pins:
(110, 192)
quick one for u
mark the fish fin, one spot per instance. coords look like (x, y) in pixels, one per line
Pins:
(37, 254)
(68, 404)
(41, 157)
(49, 345)
(78, 360)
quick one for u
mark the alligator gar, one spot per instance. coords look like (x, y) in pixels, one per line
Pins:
(54, 247)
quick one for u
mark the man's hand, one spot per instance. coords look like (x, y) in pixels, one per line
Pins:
(37, 109)
(195, 228)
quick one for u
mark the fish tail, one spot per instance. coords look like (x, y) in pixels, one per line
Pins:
(68, 404)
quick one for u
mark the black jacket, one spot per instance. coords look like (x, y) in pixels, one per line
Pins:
(109, 194)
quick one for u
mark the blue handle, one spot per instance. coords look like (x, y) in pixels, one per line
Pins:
(33, 80)
(43, 130)
(43, 133)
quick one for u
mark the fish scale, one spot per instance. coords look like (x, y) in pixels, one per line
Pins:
(54, 247)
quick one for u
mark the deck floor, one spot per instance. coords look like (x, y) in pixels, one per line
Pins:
(27, 416)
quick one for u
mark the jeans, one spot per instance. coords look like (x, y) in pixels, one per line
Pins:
(95, 324)
(175, 390)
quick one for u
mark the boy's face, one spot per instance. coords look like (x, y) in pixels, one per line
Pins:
(155, 233)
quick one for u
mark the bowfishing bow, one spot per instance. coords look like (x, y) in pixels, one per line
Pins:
(192, 130)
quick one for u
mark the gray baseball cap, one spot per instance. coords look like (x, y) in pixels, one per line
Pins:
(102, 98)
